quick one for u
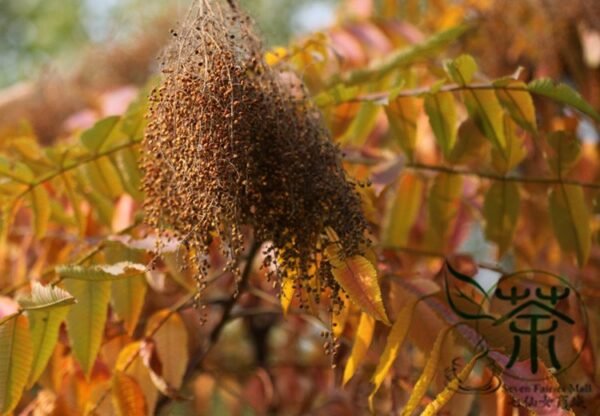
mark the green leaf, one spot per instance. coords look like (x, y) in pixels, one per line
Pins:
(441, 110)
(471, 145)
(74, 200)
(100, 273)
(404, 210)
(461, 69)
(501, 211)
(127, 164)
(485, 109)
(16, 354)
(563, 94)
(336, 95)
(97, 137)
(362, 124)
(504, 161)
(17, 171)
(45, 326)
(40, 205)
(443, 205)
(406, 57)
(86, 319)
(571, 220)
(128, 296)
(402, 114)
(104, 207)
(518, 103)
(46, 297)
(566, 150)
(104, 177)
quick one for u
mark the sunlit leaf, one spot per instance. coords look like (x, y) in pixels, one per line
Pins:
(287, 293)
(441, 110)
(16, 355)
(46, 297)
(15, 170)
(128, 296)
(362, 124)
(500, 211)
(564, 94)
(427, 375)
(128, 397)
(103, 272)
(404, 210)
(127, 163)
(485, 109)
(571, 220)
(171, 341)
(357, 276)
(86, 319)
(104, 177)
(402, 113)
(507, 159)
(362, 341)
(45, 326)
(566, 150)
(75, 200)
(451, 388)
(394, 342)
(40, 205)
(339, 94)
(97, 136)
(471, 145)
(130, 357)
(518, 102)
(461, 69)
(102, 205)
(405, 57)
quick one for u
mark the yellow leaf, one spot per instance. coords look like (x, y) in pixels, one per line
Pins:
(275, 55)
(16, 355)
(128, 296)
(393, 344)
(444, 397)
(138, 370)
(74, 200)
(339, 319)
(86, 319)
(171, 341)
(362, 341)
(402, 114)
(128, 396)
(441, 110)
(566, 150)
(517, 102)
(507, 159)
(287, 293)
(484, 108)
(501, 211)
(357, 276)
(426, 377)
(45, 326)
(571, 220)
(404, 210)
(40, 204)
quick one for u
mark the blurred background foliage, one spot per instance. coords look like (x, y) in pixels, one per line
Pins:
(42, 33)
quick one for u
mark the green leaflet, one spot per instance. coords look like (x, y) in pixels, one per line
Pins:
(566, 149)
(100, 273)
(443, 205)
(97, 137)
(86, 319)
(402, 114)
(571, 220)
(16, 354)
(501, 211)
(46, 297)
(441, 110)
(517, 102)
(45, 326)
(563, 94)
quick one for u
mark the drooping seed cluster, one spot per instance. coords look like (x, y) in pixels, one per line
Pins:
(233, 145)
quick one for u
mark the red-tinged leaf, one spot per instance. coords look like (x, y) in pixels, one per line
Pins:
(402, 114)
(441, 110)
(362, 341)
(357, 276)
(128, 397)
(443, 205)
(565, 151)
(152, 362)
(130, 361)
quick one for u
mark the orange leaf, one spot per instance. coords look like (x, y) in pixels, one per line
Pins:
(357, 276)
(128, 397)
